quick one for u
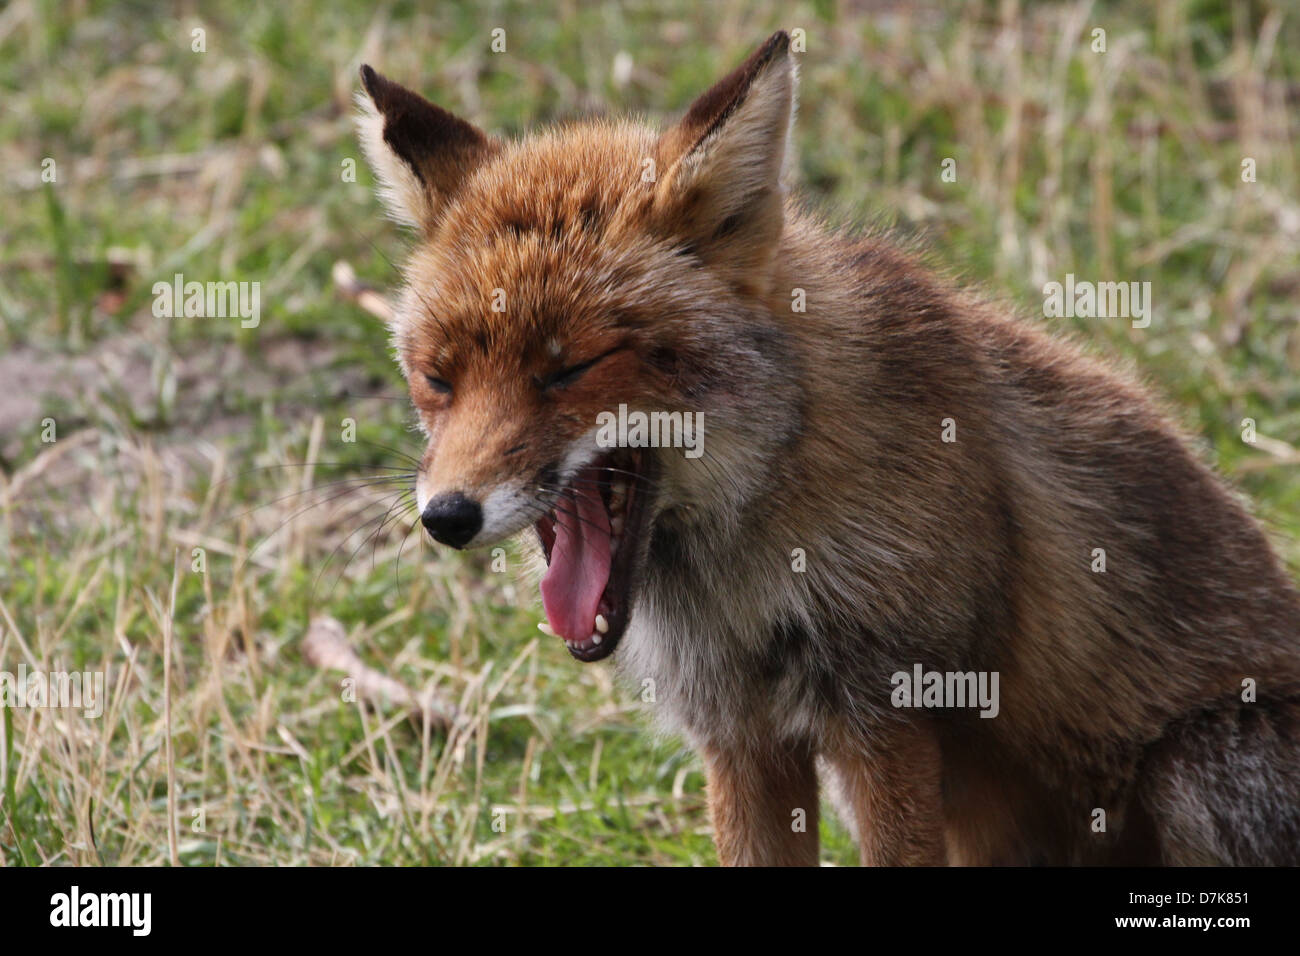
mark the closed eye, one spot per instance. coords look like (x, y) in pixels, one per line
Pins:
(439, 385)
(566, 377)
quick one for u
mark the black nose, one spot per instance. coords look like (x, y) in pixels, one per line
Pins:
(452, 519)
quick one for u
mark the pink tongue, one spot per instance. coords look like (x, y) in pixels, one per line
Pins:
(579, 570)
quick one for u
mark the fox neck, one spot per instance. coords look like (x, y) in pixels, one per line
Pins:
(753, 419)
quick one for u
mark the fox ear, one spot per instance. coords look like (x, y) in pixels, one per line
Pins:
(724, 161)
(420, 153)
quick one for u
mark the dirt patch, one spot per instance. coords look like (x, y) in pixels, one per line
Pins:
(145, 385)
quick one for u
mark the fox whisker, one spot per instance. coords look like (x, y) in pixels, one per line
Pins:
(644, 479)
(553, 509)
(406, 501)
(402, 498)
(349, 487)
(349, 484)
(397, 562)
(405, 456)
(308, 464)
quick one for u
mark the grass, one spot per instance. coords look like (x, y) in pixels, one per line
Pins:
(177, 434)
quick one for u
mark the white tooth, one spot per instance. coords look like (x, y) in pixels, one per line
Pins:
(616, 524)
(602, 625)
(595, 639)
(546, 629)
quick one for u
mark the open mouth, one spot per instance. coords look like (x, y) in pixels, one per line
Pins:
(591, 541)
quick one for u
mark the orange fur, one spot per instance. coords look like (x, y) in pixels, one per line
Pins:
(1120, 692)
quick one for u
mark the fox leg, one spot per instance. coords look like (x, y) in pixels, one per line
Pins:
(763, 801)
(889, 789)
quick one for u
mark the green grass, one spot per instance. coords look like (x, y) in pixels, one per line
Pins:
(182, 433)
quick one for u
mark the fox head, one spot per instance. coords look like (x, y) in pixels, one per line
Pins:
(584, 273)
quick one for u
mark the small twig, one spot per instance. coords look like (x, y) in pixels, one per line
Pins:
(1279, 454)
(10, 488)
(326, 646)
(350, 287)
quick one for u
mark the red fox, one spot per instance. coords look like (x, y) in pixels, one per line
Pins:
(899, 499)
